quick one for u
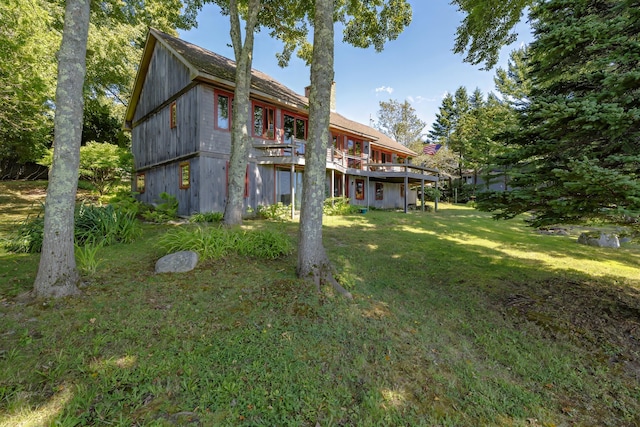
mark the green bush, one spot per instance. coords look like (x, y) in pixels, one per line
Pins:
(98, 225)
(164, 211)
(338, 206)
(27, 238)
(431, 194)
(278, 212)
(124, 200)
(207, 217)
(216, 242)
(105, 225)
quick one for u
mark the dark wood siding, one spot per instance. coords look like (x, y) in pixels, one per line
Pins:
(166, 77)
(211, 139)
(213, 184)
(154, 141)
(265, 185)
(166, 179)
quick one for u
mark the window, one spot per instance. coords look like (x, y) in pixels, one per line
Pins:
(402, 191)
(173, 120)
(375, 156)
(294, 127)
(338, 142)
(140, 183)
(223, 110)
(379, 191)
(264, 121)
(185, 175)
(359, 189)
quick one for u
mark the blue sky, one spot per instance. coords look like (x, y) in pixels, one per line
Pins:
(419, 66)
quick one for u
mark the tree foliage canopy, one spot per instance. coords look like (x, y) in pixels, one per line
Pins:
(577, 155)
(487, 27)
(30, 36)
(399, 121)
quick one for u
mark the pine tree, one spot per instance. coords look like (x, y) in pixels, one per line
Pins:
(578, 154)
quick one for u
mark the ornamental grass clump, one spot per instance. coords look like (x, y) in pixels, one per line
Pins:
(102, 225)
(218, 242)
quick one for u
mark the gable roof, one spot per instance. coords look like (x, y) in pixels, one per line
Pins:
(208, 66)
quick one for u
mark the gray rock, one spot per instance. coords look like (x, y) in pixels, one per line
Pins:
(604, 241)
(178, 262)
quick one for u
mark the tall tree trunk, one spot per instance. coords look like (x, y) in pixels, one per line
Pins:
(240, 136)
(57, 275)
(313, 262)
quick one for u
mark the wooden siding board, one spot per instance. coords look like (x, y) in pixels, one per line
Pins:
(165, 77)
(155, 142)
(265, 182)
(213, 181)
(211, 140)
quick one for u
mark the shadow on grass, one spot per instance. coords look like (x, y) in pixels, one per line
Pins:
(445, 329)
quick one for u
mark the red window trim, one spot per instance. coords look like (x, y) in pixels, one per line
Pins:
(255, 104)
(181, 175)
(173, 112)
(229, 96)
(295, 116)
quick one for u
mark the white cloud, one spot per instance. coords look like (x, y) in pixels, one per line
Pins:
(419, 99)
(387, 89)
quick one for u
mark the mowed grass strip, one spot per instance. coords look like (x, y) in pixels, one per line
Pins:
(457, 320)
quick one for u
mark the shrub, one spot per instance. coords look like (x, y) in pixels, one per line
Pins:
(164, 211)
(278, 212)
(124, 201)
(105, 225)
(338, 206)
(98, 225)
(27, 237)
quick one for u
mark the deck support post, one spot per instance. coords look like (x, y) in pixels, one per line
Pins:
(293, 191)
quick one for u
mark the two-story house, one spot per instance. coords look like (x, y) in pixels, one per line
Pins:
(180, 118)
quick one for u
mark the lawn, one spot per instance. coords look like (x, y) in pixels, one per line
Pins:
(457, 320)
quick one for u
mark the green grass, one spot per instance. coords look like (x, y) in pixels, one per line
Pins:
(457, 320)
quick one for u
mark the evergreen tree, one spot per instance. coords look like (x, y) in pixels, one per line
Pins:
(445, 120)
(578, 154)
(514, 83)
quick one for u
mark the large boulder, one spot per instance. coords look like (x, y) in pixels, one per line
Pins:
(178, 262)
(603, 241)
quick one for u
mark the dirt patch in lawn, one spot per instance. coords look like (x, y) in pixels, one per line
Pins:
(603, 318)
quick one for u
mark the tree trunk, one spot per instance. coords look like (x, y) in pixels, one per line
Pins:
(57, 275)
(313, 262)
(240, 136)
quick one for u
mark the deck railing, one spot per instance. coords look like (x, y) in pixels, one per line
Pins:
(340, 159)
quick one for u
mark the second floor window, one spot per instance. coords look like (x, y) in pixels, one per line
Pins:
(173, 112)
(223, 111)
(294, 127)
(264, 121)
